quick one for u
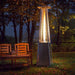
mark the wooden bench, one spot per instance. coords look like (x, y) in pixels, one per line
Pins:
(21, 52)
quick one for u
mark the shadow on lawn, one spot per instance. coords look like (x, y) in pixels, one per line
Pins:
(13, 67)
(23, 68)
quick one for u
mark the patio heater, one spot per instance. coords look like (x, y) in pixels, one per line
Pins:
(43, 53)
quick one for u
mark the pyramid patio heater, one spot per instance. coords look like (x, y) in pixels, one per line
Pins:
(43, 54)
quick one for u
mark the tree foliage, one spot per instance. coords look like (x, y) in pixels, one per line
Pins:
(25, 12)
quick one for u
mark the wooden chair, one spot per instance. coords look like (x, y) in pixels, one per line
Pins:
(5, 49)
(22, 51)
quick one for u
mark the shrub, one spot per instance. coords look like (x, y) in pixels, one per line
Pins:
(64, 47)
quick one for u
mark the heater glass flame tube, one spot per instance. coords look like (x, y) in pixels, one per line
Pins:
(44, 32)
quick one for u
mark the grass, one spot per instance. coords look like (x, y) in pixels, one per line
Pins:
(63, 63)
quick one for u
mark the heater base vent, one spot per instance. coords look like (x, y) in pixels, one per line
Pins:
(43, 55)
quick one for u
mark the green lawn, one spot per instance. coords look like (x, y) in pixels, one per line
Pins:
(63, 64)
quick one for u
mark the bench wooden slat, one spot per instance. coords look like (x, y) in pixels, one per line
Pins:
(4, 50)
(21, 49)
(4, 47)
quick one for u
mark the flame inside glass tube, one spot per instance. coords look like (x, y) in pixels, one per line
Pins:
(44, 32)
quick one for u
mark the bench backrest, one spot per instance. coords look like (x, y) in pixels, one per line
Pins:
(5, 48)
(22, 48)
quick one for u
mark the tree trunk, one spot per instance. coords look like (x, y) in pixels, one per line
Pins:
(15, 33)
(28, 30)
(32, 34)
(58, 35)
(0, 34)
(21, 29)
(3, 31)
(58, 24)
(28, 24)
(1, 41)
